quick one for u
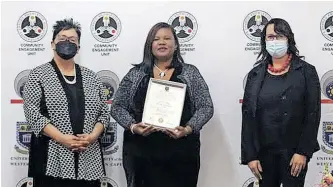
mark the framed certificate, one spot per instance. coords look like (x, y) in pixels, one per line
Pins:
(164, 103)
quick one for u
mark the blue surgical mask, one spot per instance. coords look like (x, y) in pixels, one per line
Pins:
(277, 48)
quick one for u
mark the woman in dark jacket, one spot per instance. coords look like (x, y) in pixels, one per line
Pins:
(281, 111)
(153, 157)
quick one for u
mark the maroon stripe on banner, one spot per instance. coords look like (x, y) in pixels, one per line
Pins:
(323, 101)
(326, 101)
(16, 101)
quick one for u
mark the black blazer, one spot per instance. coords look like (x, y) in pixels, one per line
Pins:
(300, 101)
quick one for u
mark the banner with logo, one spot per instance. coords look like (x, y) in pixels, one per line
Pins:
(220, 38)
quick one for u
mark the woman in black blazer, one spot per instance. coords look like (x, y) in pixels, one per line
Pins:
(280, 111)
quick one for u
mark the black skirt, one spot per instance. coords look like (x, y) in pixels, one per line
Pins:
(160, 161)
(172, 171)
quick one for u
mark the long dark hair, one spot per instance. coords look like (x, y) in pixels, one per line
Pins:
(148, 57)
(283, 28)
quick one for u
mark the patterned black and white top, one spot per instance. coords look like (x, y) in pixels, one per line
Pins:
(44, 85)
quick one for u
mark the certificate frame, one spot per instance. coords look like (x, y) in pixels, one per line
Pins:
(164, 103)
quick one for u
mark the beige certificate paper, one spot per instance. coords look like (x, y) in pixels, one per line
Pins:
(164, 103)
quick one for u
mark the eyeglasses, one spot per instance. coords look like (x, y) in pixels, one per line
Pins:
(275, 37)
(72, 39)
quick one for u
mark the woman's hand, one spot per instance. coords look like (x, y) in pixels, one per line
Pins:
(178, 132)
(297, 163)
(72, 142)
(256, 168)
(85, 141)
(143, 129)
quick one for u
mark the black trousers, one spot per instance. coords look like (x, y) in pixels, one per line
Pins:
(161, 172)
(277, 171)
(48, 181)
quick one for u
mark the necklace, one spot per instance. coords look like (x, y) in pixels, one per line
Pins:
(162, 73)
(67, 81)
(283, 68)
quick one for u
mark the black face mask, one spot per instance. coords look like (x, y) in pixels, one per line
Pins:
(66, 49)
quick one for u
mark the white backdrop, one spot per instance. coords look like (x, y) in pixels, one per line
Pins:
(218, 42)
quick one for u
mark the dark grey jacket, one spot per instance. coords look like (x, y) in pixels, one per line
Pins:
(202, 105)
(300, 104)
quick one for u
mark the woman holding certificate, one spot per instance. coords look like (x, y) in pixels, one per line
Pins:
(154, 155)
